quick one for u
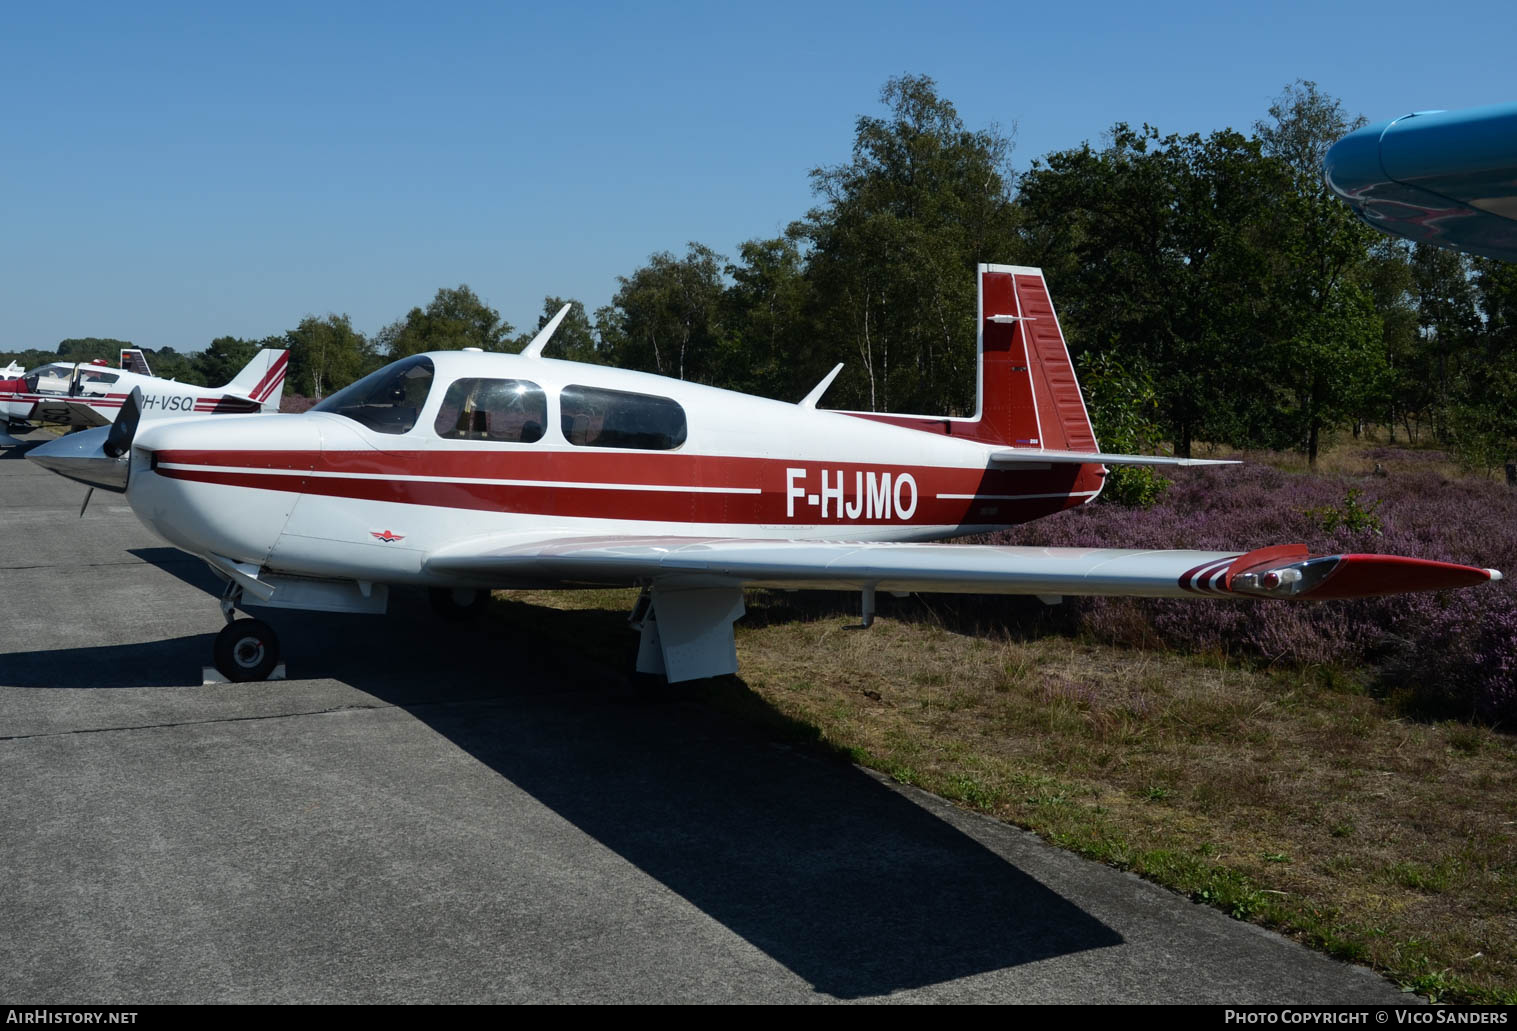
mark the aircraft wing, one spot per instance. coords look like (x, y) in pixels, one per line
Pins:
(71, 413)
(1288, 571)
(1442, 177)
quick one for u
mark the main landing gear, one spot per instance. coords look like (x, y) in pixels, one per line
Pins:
(246, 649)
(458, 604)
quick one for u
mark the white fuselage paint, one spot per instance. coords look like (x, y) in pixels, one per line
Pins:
(285, 526)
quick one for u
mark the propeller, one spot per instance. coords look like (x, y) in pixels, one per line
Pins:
(119, 441)
(99, 457)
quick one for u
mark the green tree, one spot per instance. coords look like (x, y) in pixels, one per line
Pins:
(893, 249)
(87, 349)
(168, 363)
(1400, 390)
(1447, 323)
(1483, 415)
(769, 322)
(225, 357)
(454, 319)
(666, 317)
(326, 353)
(1159, 249)
(1327, 362)
(1123, 406)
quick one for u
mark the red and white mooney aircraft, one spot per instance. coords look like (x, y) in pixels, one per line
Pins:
(87, 394)
(469, 471)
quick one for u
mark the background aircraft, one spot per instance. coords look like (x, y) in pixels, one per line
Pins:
(87, 394)
(464, 472)
(1442, 177)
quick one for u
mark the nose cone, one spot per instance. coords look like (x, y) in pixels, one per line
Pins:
(221, 485)
(82, 457)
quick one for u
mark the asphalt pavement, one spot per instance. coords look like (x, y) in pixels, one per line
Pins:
(428, 813)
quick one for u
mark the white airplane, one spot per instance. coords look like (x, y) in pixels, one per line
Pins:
(90, 394)
(464, 472)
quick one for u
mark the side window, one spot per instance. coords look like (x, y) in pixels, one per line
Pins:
(592, 417)
(386, 401)
(513, 411)
(92, 382)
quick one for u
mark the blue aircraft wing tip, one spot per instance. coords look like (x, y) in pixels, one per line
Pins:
(1443, 177)
(1352, 165)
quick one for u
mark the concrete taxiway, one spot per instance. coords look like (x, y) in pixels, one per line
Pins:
(431, 814)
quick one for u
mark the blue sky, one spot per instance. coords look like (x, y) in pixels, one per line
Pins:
(169, 174)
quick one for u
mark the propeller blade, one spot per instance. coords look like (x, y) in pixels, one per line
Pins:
(119, 441)
(87, 495)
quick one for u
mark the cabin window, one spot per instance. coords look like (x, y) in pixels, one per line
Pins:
(386, 401)
(593, 417)
(93, 382)
(512, 411)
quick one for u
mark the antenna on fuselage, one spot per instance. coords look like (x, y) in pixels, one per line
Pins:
(535, 348)
(810, 400)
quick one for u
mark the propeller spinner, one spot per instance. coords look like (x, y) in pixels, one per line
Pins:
(99, 457)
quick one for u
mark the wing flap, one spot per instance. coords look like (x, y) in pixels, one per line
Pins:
(1288, 572)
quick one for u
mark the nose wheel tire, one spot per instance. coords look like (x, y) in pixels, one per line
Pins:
(247, 649)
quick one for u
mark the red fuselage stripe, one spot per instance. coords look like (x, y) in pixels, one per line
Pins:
(640, 486)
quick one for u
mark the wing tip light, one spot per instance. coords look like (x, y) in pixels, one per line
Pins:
(1266, 573)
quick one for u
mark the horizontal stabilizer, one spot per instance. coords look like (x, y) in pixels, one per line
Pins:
(1040, 457)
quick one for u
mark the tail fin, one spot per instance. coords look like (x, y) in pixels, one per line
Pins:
(1027, 393)
(262, 379)
(133, 360)
(1029, 396)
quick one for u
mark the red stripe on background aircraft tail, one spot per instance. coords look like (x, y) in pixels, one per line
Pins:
(262, 379)
(1028, 395)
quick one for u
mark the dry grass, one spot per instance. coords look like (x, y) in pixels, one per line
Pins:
(1290, 799)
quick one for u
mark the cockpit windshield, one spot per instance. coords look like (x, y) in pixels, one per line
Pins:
(386, 401)
(50, 379)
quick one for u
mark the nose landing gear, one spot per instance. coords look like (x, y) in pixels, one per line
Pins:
(246, 649)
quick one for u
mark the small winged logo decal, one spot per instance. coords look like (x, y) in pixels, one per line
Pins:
(387, 536)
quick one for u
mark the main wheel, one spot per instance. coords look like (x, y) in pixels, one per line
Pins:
(247, 649)
(458, 604)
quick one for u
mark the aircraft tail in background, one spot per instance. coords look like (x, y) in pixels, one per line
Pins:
(133, 360)
(262, 379)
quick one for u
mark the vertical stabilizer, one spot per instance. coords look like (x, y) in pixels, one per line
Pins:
(262, 379)
(133, 360)
(1062, 421)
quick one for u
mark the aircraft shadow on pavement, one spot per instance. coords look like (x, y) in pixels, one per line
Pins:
(846, 882)
(182, 565)
(17, 451)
